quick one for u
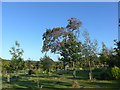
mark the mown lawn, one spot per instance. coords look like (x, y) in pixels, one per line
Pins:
(59, 81)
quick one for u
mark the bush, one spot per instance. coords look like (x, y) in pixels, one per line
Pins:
(105, 76)
(97, 70)
(116, 72)
(102, 74)
(16, 78)
(31, 72)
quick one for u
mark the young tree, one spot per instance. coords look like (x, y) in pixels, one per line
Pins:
(89, 51)
(17, 60)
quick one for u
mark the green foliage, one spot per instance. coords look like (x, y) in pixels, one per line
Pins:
(103, 58)
(16, 52)
(31, 72)
(105, 76)
(47, 63)
(29, 64)
(89, 52)
(116, 72)
(114, 59)
(63, 41)
(6, 66)
(58, 65)
(102, 73)
(17, 61)
(89, 49)
(117, 49)
(57, 37)
(71, 53)
(16, 78)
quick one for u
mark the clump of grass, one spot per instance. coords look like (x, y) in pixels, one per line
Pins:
(75, 84)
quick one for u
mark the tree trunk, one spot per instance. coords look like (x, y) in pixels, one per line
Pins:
(73, 65)
(74, 73)
(8, 78)
(90, 73)
(16, 70)
(64, 65)
(37, 72)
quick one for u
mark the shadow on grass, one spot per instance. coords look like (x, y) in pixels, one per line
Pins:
(53, 83)
(114, 84)
(4, 79)
(40, 76)
(25, 84)
(46, 84)
(80, 75)
(78, 78)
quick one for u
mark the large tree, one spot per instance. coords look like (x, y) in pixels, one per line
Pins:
(71, 53)
(63, 40)
(54, 39)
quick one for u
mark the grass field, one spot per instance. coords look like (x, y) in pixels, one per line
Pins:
(59, 81)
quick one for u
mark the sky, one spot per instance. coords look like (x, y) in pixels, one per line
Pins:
(25, 22)
(119, 20)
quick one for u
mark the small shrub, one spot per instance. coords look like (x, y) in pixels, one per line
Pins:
(116, 72)
(16, 78)
(31, 72)
(75, 84)
(97, 70)
(102, 74)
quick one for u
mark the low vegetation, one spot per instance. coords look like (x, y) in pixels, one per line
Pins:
(54, 80)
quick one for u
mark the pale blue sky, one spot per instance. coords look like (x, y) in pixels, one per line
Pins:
(26, 22)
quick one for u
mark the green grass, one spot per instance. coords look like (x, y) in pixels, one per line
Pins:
(57, 81)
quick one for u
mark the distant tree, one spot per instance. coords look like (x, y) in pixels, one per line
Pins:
(29, 64)
(47, 63)
(37, 65)
(6, 68)
(58, 65)
(104, 54)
